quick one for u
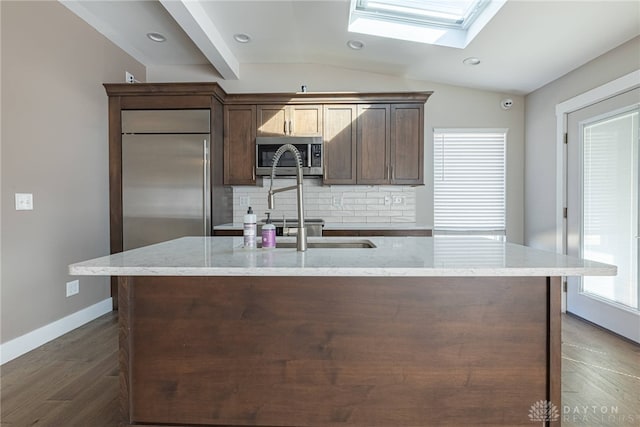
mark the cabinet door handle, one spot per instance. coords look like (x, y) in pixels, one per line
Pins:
(393, 173)
(290, 128)
(285, 127)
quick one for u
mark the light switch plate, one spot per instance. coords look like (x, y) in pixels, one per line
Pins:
(24, 201)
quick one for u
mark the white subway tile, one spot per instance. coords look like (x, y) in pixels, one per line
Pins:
(354, 219)
(378, 219)
(377, 207)
(389, 213)
(403, 219)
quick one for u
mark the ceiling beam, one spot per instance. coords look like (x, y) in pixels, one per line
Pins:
(196, 23)
(81, 9)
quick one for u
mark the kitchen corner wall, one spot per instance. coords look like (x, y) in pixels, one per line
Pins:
(541, 148)
(332, 203)
(448, 107)
(55, 146)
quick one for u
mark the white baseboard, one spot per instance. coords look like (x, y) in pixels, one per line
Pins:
(34, 339)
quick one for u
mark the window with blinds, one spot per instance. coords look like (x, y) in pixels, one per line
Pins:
(469, 181)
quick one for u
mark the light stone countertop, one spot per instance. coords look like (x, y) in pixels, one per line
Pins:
(392, 256)
(347, 226)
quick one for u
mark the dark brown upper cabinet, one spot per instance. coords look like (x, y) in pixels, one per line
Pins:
(339, 144)
(390, 144)
(240, 144)
(406, 145)
(373, 144)
(369, 138)
(289, 120)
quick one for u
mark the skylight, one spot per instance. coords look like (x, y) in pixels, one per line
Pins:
(452, 23)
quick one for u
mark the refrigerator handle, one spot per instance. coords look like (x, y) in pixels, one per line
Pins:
(205, 189)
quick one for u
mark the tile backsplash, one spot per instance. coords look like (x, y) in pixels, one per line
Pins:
(333, 203)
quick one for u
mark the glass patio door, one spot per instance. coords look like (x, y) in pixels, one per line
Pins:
(602, 218)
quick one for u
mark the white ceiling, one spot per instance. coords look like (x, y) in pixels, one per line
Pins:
(526, 45)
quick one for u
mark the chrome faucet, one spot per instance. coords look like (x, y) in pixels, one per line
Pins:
(301, 235)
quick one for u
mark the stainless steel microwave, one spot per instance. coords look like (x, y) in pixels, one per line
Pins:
(310, 148)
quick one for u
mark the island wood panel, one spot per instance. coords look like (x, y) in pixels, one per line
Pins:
(282, 351)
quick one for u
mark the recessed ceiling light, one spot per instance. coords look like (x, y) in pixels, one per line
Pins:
(472, 60)
(156, 37)
(355, 44)
(241, 38)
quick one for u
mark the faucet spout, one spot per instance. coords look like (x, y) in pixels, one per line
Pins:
(301, 236)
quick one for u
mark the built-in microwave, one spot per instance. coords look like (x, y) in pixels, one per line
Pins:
(310, 148)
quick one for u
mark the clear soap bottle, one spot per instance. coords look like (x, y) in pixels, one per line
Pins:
(249, 230)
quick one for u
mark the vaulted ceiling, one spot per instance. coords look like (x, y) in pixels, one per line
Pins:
(526, 45)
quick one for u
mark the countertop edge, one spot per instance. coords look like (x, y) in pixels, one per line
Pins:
(339, 272)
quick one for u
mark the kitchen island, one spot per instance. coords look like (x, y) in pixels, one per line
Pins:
(416, 331)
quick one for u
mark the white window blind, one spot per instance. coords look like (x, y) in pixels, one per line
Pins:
(469, 180)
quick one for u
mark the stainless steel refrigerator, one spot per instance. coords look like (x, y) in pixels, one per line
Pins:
(165, 175)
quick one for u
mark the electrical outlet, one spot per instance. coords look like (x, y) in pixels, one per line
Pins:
(397, 200)
(73, 287)
(129, 78)
(336, 201)
(245, 201)
(387, 200)
(24, 201)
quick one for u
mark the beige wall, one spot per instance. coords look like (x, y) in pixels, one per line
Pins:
(540, 153)
(449, 106)
(54, 145)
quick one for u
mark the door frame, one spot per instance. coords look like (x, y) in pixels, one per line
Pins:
(607, 90)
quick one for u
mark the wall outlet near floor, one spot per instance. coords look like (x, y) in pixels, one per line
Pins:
(73, 287)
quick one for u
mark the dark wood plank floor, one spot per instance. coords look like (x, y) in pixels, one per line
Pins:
(73, 380)
(600, 377)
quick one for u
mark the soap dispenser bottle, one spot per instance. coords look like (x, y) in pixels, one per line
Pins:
(250, 229)
(268, 234)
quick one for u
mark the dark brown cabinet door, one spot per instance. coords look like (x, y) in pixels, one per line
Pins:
(240, 145)
(339, 145)
(407, 144)
(373, 137)
(306, 120)
(272, 120)
(289, 120)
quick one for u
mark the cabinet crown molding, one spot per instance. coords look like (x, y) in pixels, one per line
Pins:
(214, 89)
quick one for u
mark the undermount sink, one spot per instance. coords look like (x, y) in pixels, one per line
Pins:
(329, 244)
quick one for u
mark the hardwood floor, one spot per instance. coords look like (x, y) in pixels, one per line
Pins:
(600, 377)
(73, 380)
